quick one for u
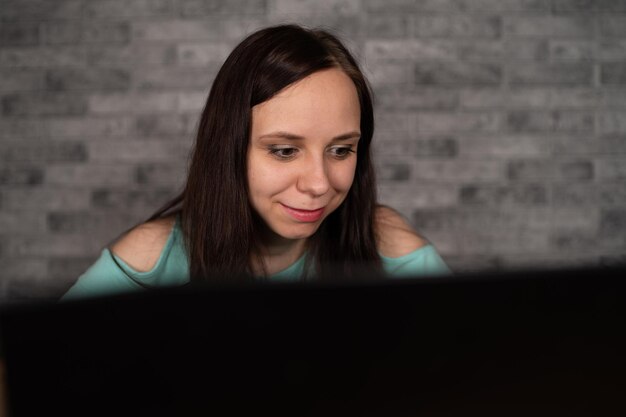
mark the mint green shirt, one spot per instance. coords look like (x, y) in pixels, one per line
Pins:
(111, 275)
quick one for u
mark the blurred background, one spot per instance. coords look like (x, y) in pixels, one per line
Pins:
(501, 124)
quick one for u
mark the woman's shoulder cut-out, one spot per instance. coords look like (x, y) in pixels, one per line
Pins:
(141, 247)
(395, 237)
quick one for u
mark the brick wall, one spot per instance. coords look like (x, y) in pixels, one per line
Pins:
(501, 124)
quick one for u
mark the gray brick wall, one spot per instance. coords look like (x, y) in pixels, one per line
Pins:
(501, 124)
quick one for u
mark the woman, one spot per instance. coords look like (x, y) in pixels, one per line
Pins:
(281, 183)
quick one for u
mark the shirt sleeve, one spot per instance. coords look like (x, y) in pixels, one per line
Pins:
(424, 261)
(104, 277)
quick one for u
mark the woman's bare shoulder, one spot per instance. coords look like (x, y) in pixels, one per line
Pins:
(395, 236)
(141, 247)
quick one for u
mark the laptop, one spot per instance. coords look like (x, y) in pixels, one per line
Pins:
(515, 344)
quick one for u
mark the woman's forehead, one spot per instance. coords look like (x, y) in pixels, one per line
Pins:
(324, 100)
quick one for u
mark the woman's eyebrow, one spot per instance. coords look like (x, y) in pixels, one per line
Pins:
(291, 136)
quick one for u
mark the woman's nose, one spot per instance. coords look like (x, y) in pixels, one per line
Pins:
(313, 178)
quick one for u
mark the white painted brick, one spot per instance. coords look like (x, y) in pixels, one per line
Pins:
(22, 221)
(438, 194)
(87, 127)
(63, 196)
(505, 146)
(137, 150)
(213, 28)
(105, 9)
(457, 122)
(138, 103)
(195, 8)
(461, 26)
(613, 169)
(46, 245)
(612, 122)
(24, 268)
(192, 102)
(476, 98)
(42, 57)
(96, 174)
(349, 7)
(410, 49)
(579, 26)
(23, 80)
(458, 170)
(41, 9)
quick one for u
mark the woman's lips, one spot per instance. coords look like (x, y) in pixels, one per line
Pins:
(304, 215)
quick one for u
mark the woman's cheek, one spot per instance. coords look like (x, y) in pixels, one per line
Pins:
(343, 176)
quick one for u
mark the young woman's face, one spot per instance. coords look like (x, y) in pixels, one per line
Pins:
(302, 152)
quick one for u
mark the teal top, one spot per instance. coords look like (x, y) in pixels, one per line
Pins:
(111, 275)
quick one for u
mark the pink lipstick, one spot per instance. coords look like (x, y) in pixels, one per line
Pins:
(304, 215)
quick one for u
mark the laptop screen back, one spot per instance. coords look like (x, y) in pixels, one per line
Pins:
(509, 344)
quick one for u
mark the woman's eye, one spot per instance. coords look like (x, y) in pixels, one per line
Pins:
(283, 153)
(342, 152)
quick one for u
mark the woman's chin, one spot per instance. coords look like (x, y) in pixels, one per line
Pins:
(297, 231)
(297, 235)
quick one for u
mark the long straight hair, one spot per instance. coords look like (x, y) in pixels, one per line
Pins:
(219, 226)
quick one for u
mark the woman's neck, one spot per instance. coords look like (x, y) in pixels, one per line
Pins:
(277, 252)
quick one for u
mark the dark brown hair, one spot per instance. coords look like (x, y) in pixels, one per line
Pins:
(218, 222)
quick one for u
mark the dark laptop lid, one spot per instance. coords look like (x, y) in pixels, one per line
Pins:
(526, 343)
